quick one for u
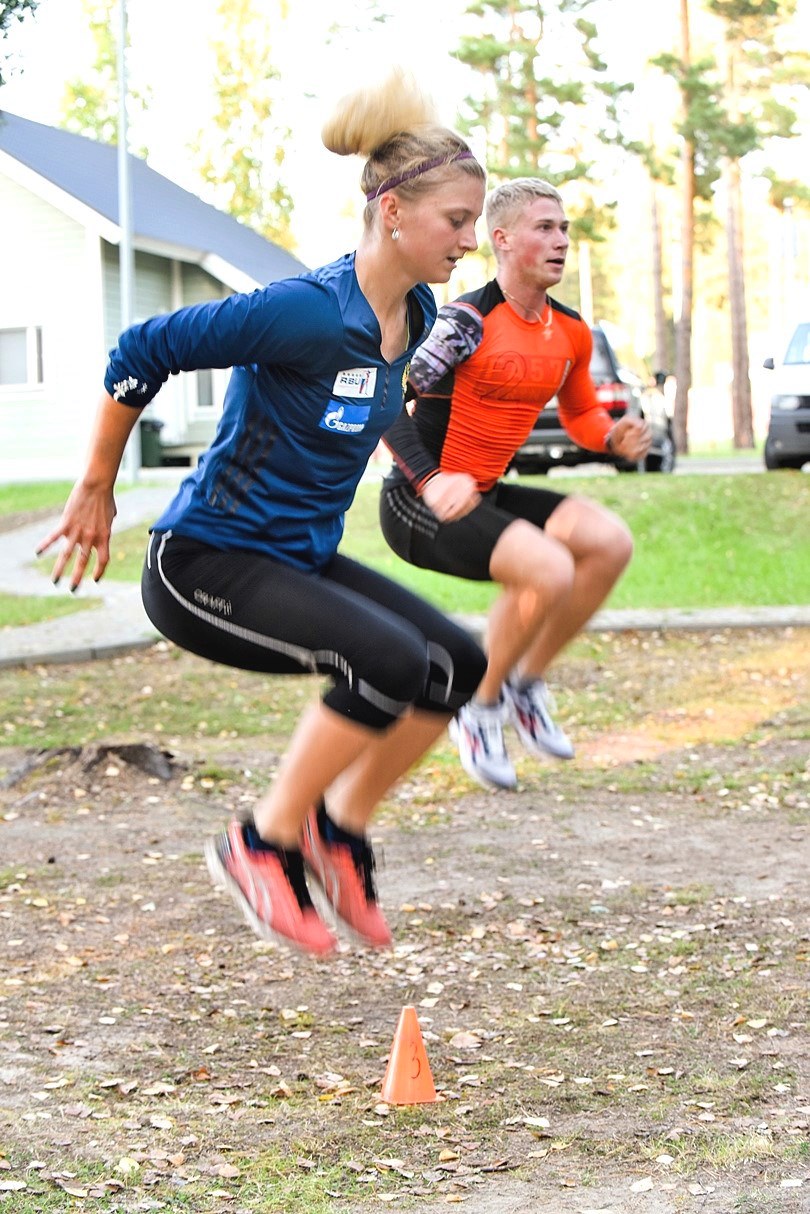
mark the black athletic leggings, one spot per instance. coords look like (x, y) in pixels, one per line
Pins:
(385, 649)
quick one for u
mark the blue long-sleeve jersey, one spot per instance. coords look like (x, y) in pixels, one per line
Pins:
(308, 400)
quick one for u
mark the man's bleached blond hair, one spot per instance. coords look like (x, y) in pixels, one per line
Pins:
(506, 201)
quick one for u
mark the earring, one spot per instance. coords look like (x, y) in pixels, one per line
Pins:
(395, 234)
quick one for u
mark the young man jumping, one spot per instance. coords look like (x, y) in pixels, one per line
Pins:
(493, 359)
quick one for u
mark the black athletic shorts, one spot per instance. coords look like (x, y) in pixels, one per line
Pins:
(463, 548)
(385, 649)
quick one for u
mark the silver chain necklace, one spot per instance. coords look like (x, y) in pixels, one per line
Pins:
(546, 323)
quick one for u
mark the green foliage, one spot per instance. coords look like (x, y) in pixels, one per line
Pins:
(726, 119)
(242, 168)
(546, 106)
(785, 193)
(763, 78)
(738, 12)
(707, 124)
(13, 10)
(780, 118)
(90, 106)
(527, 106)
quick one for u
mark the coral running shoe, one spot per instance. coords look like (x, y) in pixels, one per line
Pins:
(343, 866)
(529, 705)
(477, 731)
(268, 885)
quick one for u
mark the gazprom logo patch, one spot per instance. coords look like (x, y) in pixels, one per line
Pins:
(359, 382)
(345, 419)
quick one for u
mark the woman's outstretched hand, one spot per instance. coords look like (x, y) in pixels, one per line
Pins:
(85, 525)
(88, 515)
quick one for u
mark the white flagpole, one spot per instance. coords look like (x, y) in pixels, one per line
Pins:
(132, 454)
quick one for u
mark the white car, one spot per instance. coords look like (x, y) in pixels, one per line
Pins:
(788, 441)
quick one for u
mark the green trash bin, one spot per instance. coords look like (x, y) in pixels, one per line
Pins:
(151, 449)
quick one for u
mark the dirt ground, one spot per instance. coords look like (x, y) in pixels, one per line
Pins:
(609, 965)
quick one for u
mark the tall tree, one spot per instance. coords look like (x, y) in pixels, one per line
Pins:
(707, 135)
(12, 10)
(683, 324)
(544, 102)
(529, 106)
(661, 358)
(90, 104)
(243, 168)
(661, 172)
(759, 78)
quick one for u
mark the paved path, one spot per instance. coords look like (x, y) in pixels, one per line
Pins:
(119, 623)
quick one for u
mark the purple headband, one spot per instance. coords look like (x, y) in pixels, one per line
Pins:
(424, 167)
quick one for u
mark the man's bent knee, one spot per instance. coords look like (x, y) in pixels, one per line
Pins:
(527, 558)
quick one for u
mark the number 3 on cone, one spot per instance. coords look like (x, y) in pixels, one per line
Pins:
(417, 1062)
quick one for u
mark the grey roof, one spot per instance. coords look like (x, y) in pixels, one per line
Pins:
(161, 210)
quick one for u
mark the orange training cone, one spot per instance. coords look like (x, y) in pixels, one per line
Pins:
(408, 1079)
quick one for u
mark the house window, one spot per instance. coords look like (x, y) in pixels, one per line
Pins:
(205, 389)
(20, 356)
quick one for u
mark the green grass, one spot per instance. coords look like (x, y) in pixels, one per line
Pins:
(700, 541)
(69, 706)
(272, 1181)
(44, 495)
(17, 610)
(41, 495)
(710, 541)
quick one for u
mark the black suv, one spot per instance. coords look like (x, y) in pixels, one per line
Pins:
(620, 391)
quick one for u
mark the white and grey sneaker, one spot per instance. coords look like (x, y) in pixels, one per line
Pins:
(477, 731)
(529, 706)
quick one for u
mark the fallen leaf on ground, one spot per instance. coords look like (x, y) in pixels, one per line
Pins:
(227, 1171)
(465, 1041)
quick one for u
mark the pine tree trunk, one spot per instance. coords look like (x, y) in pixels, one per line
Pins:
(661, 343)
(683, 326)
(741, 411)
(741, 408)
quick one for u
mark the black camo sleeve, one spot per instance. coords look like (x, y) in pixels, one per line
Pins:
(455, 336)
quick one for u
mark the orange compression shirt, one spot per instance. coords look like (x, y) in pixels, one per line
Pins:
(479, 381)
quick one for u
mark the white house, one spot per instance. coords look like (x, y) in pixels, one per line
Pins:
(59, 292)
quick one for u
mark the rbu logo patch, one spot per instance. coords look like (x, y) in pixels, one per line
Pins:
(346, 419)
(359, 382)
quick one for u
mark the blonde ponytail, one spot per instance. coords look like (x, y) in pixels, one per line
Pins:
(363, 121)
